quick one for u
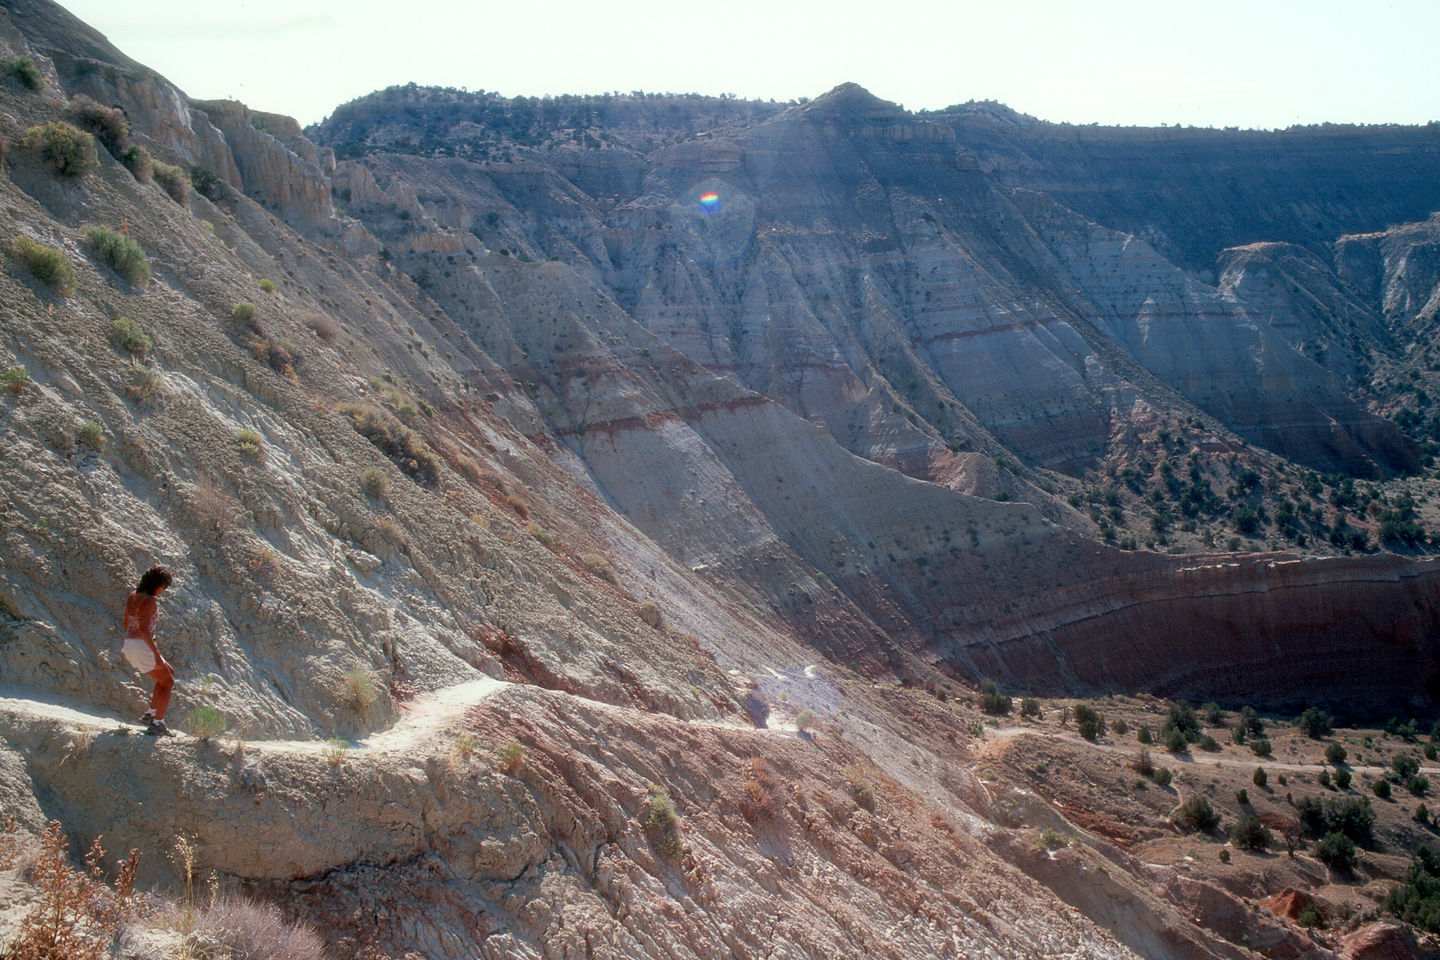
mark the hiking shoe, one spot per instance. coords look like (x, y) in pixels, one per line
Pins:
(157, 728)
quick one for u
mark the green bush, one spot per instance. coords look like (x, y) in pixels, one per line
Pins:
(1175, 740)
(1029, 707)
(1250, 834)
(127, 335)
(662, 824)
(1251, 720)
(123, 255)
(252, 445)
(69, 152)
(173, 180)
(1422, 814)
(1334, 753)
(138, 161)
(1382, 789)
(1208, 744)
(267, 284)
(1324, 778)
(1213, 714)
(108, 124)
(806, 720)
(205, 722)
(1342, 779)
(1419, 785)
(14, 379)
(1237, 736)
(242, 312)
(396, 441)
(46, 264)
(1315, 722)
(1337, 851)
(91, 433)
(1417, 900)
(1196, 813)
(24, 72)
(1261, 747)
(206, 183)
(1310, 917)
(1162, 777)
(1259, 777)
(1405, 766)
(374, 482)
(1183, 718)
(992, 701)
(1088, 721)
(1143, 735)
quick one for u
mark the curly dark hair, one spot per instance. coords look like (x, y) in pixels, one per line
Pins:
(154, 579)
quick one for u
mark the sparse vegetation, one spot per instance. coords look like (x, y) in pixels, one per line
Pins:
(1316, 723)
(598, 566)
(662, 824)
(122, 254)
(334, 751)
(1336, 851)
(1259, 777)
(127, 335)
(206, 183)
(1334, 753)
(1417, 900)
(267, 284)
(992, 701)
(108, 124)
(374, 482)
(512, 757)
(205, 722)
(15, 379)
(358, 692)
(1050, 839)
(806, 719)
(68, 151)
(465, 746)
(46, 264)
(650, 613)
(91, 434)
(860, 786)
(252, 445)
(24, 72)
(77, 913)
(1029, 707)
(1088, 722)
(323, 327)
(1261, 747)
(1250, 834)
(243, 312)
(397, 441)
(172, 180)
(1196, 814)
(139, 162)
(521, 508)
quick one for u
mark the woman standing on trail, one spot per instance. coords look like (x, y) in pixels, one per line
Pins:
(140, 649)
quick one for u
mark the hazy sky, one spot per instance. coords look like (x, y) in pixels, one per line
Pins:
(1257, 63)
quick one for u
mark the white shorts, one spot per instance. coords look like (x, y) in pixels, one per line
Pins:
(138, 652)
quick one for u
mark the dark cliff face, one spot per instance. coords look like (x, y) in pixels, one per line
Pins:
(856, 263)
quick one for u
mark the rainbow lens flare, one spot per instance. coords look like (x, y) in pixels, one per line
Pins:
(710, 202)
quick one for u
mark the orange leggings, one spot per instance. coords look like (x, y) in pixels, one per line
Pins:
(164, 682)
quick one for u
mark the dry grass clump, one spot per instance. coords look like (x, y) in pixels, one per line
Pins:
(91, 433)
(78, 913)
(122, 254)
(757, 800)
(46, 264)
(374, 482)
(210, 506)
(599, 566)
(322, 326)
(237, 927)
(397, 441)
(205, 722)
(68, 151)
(358, 692)
(512, 757)
(650, 613)
(861, 788)
(15, 379)
(469, 469)
(521, 508)
(174, 180)
(334, 751)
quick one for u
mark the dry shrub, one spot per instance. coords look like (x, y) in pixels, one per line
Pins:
(662, 824)
(322, 326)
(598, 565)
(108, 124)
(172, 179)
(469, 469)
(265, 565)
(1143, 764)
(78, 913)
(757, 800)
(650, 613)
(397, 441)
(860, 786)
(69, 152)
(211, 507)
(512, 758)
(238, 927)
(145, 387)
(358, 691)
(521, 508)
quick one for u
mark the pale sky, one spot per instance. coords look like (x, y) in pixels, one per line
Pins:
(1247, 63)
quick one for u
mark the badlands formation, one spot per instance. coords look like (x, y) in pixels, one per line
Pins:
(592, 518)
